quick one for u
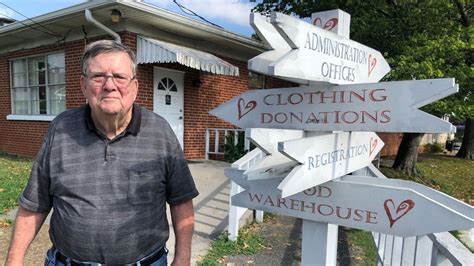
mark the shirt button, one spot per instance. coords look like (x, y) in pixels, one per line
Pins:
(111, 157)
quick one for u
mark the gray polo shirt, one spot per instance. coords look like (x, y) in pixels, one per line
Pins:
(108, 195)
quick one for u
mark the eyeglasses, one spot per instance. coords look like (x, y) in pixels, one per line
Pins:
(99, 79)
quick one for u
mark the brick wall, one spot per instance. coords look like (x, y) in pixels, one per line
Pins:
(214, 90)
(72, 56)
(20, 137)
(198, 100)
(25, 137)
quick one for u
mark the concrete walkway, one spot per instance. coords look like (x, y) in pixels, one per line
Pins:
(211, 207)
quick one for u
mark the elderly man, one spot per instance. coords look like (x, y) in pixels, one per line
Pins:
(107, 169)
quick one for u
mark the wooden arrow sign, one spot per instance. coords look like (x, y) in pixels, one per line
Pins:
(267, 32)
(376, 107)
(390, 206)
(274, 164)
(320, 55)
(327, 157)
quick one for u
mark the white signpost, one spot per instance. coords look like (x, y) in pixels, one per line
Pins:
(304, 174)
(380, 107)
(335, 21)
(324, 56)
(327, 157)
(390, 206)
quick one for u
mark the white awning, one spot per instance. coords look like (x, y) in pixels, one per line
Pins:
(154, 51)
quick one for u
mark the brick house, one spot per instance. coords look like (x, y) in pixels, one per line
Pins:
(185, 69)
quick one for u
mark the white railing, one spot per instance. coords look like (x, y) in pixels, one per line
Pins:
(218, 138)
(215, 141)
(432, 249)
(236, 213)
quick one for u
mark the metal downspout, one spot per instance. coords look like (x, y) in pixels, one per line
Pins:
(92, 20)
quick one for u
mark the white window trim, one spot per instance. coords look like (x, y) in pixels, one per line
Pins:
(31, 117)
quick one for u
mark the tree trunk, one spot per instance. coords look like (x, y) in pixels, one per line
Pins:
(407, 154)
(467, 147)
(462, 11)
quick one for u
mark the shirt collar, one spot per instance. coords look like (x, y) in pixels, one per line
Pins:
(132, 128)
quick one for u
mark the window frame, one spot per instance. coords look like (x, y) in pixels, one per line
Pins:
(35, 117)
(258, 75)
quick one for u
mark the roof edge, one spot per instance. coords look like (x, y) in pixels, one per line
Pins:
(174, 17)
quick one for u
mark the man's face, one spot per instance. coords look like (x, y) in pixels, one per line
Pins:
(114, 94)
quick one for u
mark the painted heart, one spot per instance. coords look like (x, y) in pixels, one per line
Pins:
(329, 25)
(372, 145)
(394, 214)
(245, 108)
(318, 22)
(372, 63)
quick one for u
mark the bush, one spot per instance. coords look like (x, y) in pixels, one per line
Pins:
(433, 148)
(234, 152)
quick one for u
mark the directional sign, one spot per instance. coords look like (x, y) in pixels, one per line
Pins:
(390, 206)
(267, 138)
(271, 166)
(327, 157)
(320, 55)
(267, 32)
(274, 164)
(378, 107)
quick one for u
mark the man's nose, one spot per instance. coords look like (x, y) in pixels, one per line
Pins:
(109, 83)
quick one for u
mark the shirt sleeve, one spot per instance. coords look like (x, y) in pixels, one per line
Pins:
(180, 185)
(36, 197)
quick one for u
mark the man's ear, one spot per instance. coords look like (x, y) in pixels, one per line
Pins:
(135, 84)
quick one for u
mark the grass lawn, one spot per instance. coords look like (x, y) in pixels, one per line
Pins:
(448, 174)
(444, 173)
(249, 241)
(14, 172)
(363, 249)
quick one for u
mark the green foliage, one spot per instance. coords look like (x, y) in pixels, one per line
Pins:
(233, 152)
(419, 39)
(433, 148)
(14, 173)
(248, 242)
(457, 234)
(268, 216)
(448, 174)
(363, 243)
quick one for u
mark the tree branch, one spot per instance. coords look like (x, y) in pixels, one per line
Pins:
(392, 2)
(383, 12)
(464, 17)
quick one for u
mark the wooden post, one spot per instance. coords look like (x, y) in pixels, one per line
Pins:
(208, 140)
(319, 244)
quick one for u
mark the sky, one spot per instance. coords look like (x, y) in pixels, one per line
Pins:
(232, 15)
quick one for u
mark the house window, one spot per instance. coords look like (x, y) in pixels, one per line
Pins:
(38, 85)
(256, 81)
